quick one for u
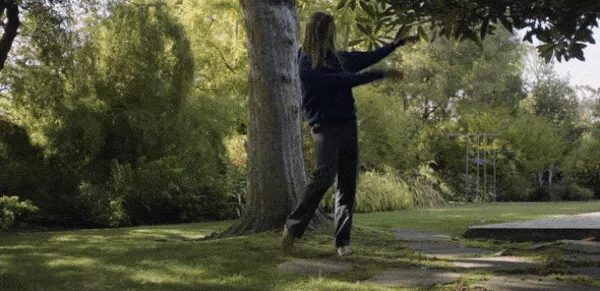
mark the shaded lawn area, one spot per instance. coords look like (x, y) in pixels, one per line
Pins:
(132, 259)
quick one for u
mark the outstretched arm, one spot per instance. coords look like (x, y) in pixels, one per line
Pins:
(357, 61)
(322, 78)
(318, 79)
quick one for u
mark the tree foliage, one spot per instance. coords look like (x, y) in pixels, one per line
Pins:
(117, 117)
(564, 27)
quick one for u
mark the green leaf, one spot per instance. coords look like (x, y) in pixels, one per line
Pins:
(422, 34)
(576, 51)
(356, 41)
(470, 34)
(378, 27)
(364, 29)
(546, 51)
(370, 10)
(404, 30)
(363, 20)
(484, 27)
(506, 23)
(517, 21)
(341, 4)
(528, 37)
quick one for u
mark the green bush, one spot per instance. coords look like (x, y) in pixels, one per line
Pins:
(582, 165)
(377, 192)
(577, 193)
(427, 188)
(561, 192)
(388, 134)
(386, 191)
(12, 211)
(513, 188)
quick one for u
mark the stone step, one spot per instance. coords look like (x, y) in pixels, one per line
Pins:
(423, 277)
(575, 227)
(446, 250)
(529, 283)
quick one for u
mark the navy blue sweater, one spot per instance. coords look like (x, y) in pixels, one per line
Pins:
(327, 90)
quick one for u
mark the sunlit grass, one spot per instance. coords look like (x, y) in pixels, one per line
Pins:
(134, 259)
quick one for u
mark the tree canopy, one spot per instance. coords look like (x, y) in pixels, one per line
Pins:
(564, 27)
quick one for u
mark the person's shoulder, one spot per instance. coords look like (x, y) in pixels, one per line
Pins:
(305, 61)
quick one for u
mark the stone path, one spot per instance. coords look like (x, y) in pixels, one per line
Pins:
(592, 272)
(415, 277)
(419, 235)
(530, 283)
(511, 271)
(589, 247)
(503, 263)
(577, 227)
(446, 250)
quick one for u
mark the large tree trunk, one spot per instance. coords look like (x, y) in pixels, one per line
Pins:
(276, 174)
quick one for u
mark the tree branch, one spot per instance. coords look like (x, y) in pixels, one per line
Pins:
(10, 31)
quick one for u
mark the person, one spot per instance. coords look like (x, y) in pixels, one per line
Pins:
(327, 78)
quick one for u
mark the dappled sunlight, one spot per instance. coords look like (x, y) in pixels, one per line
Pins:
(177, 273)
(18, 247)
(165, 233)
(72, 261)
(231, 280)
(80, 238)
(324, 283)
(157, 276)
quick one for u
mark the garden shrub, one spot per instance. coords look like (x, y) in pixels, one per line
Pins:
(561, 192)
(13, 211)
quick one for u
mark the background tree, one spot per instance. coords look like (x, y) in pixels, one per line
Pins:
(11, 11)
(115, 118)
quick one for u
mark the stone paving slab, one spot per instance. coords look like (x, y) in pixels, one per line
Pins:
(581, 246)
(315, 267)
(418, 235)
(415, 277)
(579, 257)
(554, 228)
(503, 263)
(530, 283)
(592, 272)
(446, 250)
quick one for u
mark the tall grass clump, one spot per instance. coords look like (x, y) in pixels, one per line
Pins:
(377, 192)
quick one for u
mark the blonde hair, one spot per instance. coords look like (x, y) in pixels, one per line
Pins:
(319, 38)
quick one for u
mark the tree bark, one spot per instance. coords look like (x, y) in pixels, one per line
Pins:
(276, 174)
(10, 30)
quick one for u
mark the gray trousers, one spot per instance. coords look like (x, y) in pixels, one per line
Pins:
(336, 148)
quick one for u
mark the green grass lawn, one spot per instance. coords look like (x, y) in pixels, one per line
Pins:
(132, 259)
